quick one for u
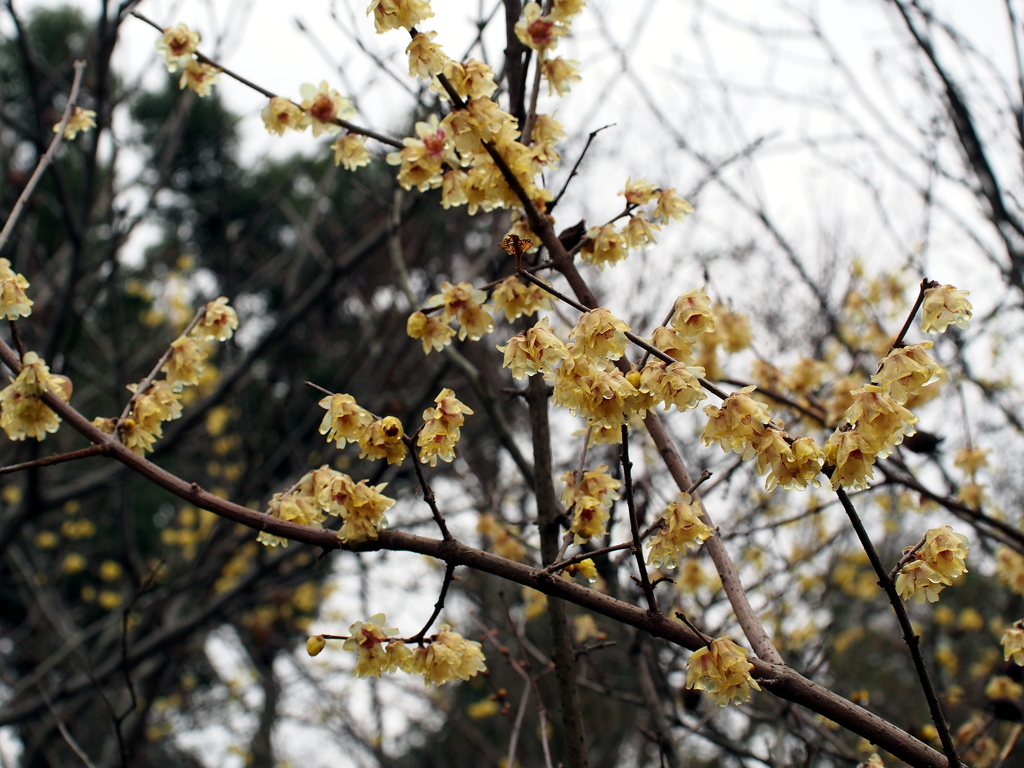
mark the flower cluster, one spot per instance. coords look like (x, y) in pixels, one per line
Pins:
(449, 656)
(589, 500)
(178, 46)
(14, 302)
(517, 298)
(441, 428)
(938, 563)
(606, 245)
(736, 423)
(465, 305)
(722, 668)
(326, 491)
(375, 652)
(681, 530)
(535, 350)
(22, 413)
(348, 422)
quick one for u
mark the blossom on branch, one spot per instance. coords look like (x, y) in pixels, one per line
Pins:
(604, 246)
(375, 652)
(80, 120)
(449, 656)
(535, 350)
(345, 421)
(851, 455)
(398, 14)
(560, 74)
(681, 530)
(735, 423)
(905, 370)
(599, 334)
(199, 77)
(464, 304)
(360, 506)
(350, 152)
(943, 306)
(425, 56)
(537, 31)
(219, 321)
(14, 302)
(22, 413)
(722, 668)
(692, 314)
(1013, 644)
(282, 115)
(517, 298)
(177, 44)
(382, 439)
(434, 333)
(441, 428)
(324, 105)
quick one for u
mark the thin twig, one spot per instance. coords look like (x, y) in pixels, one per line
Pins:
(911, 639)
(634, 525)
(16, 338)
(64, 731)
(428, 492)
(449, 577)
(60, 458)
(898, 341)
(576, 166)
(45, 160)
(907, 557)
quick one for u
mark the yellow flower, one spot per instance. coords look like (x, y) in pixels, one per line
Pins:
(560, 74)
(722, 668)
(199, 77)
(23, 414)
(604, 246)
(350, 152)
(596, 484)
(672, 343)
(157, 404)
(735, 424)
(449, 656)
(537, 31)
(177, 44)
(1013, 644)
(425, 56)
(588, 519)
(375, 653)
(465, 304)
(905, 370)
(673, 384)
(599, 334)
(517, 298)
(345, 420)
(324, 105)
(1010, 569)
(639, 232)
(434, 334)
(639, 192)
(584, 568)
(281, 115)
(970, 460)
(186, 362)
(80, 120)
(564, 10)
(382, 439)
(421, 159)
(359, 505)
(852, 458)
(944, 305)
(692, 315)
(945, 551)
(1003, 687)
(671, 206)
(535, 350)
(472, 80)
(504, 541)
(14, 303)
(681, 530)
(919, 580)
(398, 14)
(441, 428)
(881, 421)
(219, 322)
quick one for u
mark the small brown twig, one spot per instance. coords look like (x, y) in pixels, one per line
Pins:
(428, 492)
(907, 557)
(449, 577)
(68, 738)
(60, 458)
(16, 338)
(912, 640)
(634, 525)
(576, 166)
(45, 160)
(898, 341)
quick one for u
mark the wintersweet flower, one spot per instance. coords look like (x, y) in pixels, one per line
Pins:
(560, 74)
(945, 305)
(136, 437)
(604, 246)
(421, 159)
(453, 188)
(219, 321)
(434, 334)
(672, 343)
(1013, 644)
(722, 668)
(599, 334)
(920, 581)
(905, 370)
(177, 44)
(639, 232)
(603, 397)
(595, 484)
(945, 551)
(970, 460)
(517, 298)
(324, 105)
(492, 123)
(800, 466)
(692, 314)
(398, 14)
(671, 206)
(14, 302)
(673, 384)
(642, 401)
(80, 120)
(359, 505)
(199, 76)
(881, 421)
(471, 80)
(535, 350)
(350, 152)
(315, 644)
(537, 31)
(464, 303)
(681, 530)
(1010, 569)
(735, 423)
(441, 428)
(282, 115)
(639, 192)
(546, 134)
(588, 519)
(448, 657)
(382, 439)
(565, 10)
(732, 329)
(345, 421)
(584, 568)
(370, 641)
(186, 362)
(851, 455)
(426, 58)
(22, 413)
(504, 540)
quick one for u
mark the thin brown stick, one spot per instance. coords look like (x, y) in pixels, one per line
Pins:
(912, 640)
(45, 160)
(68, 738)
(16, 338)
(634, 525)
(428, 492)
(898, 341)
(449, 577)
(907, 557)
(60, 458)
